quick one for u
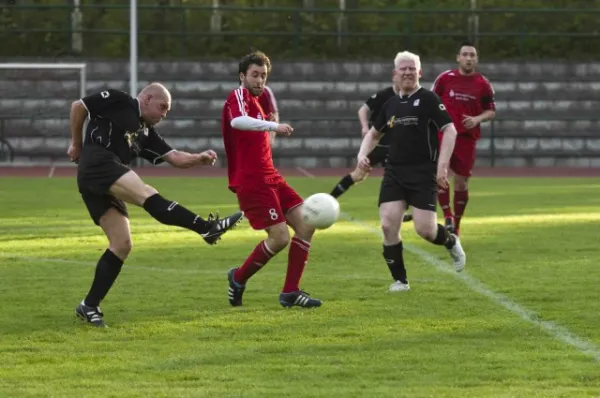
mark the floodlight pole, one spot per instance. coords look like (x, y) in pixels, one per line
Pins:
(133, 50)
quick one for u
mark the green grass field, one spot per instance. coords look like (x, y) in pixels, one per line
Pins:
(521, 321)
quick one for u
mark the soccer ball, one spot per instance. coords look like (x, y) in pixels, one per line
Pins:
(320, 210)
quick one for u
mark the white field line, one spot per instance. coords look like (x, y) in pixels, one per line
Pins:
(558, 332)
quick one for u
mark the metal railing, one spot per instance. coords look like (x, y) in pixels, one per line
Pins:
(198, 31)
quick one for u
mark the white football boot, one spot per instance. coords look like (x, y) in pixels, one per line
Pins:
(458, 255)
(399, 287)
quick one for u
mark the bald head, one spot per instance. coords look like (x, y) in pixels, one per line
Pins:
(155, 90)
(155, 102)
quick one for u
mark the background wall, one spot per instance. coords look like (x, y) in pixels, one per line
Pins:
(329, 57)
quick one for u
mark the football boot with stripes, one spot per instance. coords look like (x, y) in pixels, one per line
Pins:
(220, 225)
(91, 315)
(236, 290)
(298, 298)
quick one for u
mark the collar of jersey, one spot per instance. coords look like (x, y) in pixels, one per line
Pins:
(410, 94)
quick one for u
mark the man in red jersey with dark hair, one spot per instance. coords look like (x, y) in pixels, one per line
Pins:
(469, 99)
(268, 202)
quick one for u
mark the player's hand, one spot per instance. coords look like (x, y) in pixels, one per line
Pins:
(74, 152)
(207, 158)
(442, 176)
(470, 121)
(365, 131)
(284, 129)
(271, 117)
(364, 164)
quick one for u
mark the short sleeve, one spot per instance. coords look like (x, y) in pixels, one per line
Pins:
(95, 103)
(268, 102)
(488, 101)
(237, 103)
(376, 100)
(380, 123)
(155, 148)
(438, 85)
(437, 111)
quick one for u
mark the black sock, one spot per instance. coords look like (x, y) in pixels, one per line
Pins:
(172, 213)
(395, 261)
(107, 270)
(444, 237)
(342, 186)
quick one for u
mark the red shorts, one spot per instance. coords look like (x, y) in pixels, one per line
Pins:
(265, 205)
(463, 157)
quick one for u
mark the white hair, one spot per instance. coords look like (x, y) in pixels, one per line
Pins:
(407, 56)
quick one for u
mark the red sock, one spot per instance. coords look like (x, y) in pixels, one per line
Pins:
(460, 203)
(259, 257)
(297, 258)
(444, 199)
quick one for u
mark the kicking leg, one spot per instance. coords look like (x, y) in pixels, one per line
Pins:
(132, 189)
(116, 227)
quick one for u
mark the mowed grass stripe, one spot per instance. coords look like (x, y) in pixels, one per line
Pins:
(175, 335)
(556, 331)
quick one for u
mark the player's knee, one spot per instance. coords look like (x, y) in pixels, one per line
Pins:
(121, 247)
(305, 232)
(278, 239)
(426, 230)
(390, 226)
(149, 191)
(461, 183)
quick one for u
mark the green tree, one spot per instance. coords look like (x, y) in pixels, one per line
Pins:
(507, 29)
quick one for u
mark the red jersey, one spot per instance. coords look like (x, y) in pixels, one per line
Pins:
(464, 95)
(268, 102)
(249, 157)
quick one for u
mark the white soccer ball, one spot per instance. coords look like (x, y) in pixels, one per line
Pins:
(320, 210)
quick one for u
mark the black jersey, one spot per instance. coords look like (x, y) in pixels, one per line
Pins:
(412, 124)
(116, 124)
(376, 101)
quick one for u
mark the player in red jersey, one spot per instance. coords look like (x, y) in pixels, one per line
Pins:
(268, 202)
(469, 99)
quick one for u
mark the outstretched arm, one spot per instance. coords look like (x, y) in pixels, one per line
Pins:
(248, 123)
(185, 160)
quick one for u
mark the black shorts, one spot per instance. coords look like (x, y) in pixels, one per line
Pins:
(97, 171)
(414, 184)
(378, 155)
